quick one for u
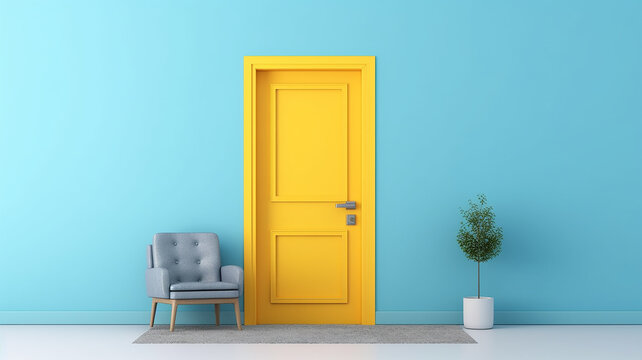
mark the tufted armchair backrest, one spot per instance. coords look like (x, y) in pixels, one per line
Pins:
(188, 256)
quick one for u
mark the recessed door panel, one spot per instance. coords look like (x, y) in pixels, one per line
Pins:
(309, 267)
(309, 142)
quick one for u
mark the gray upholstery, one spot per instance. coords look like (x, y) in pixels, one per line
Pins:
(188, 266)
(188, 256)
(157, 280)
(233, 274)
(204, 294)
(203, 285)
(150, 261)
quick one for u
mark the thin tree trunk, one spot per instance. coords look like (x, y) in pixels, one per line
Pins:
(478, 290)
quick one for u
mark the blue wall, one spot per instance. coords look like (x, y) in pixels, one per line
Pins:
(119, 119)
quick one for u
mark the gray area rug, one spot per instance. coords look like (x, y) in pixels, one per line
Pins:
(307, 334)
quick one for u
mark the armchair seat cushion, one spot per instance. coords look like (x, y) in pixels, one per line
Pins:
(220, 294)
(203, 286)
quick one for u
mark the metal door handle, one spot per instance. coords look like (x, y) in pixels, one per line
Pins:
(347, 205)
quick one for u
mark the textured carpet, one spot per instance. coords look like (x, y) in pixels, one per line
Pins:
(308, 334)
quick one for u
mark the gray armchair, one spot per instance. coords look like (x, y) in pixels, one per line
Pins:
(185, 268)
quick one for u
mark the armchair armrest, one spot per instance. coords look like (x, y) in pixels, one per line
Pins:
(233, 274)
(157, 280)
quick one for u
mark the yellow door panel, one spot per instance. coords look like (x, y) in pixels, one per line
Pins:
(309, 267)
(309, 142)
(308, 159)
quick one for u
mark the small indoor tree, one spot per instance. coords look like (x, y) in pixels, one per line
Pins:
(479, 238)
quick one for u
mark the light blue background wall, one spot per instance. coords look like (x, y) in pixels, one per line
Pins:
(119, 119)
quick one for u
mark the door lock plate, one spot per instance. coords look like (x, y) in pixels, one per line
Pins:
(351, 219)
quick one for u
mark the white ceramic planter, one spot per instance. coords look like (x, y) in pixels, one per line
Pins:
(478, 313)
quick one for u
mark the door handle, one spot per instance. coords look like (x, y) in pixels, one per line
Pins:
(347, 205)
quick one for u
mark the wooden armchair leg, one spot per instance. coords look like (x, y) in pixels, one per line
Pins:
(173, 319)
(237, 311)
(154, 303)
(217, 310)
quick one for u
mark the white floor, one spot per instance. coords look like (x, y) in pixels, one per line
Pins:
(24, 342)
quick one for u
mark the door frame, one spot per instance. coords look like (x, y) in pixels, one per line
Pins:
(365, 64)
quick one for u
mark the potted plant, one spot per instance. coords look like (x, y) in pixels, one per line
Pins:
(480, 240)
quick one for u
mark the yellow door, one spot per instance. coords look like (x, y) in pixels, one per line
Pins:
(308, 161)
